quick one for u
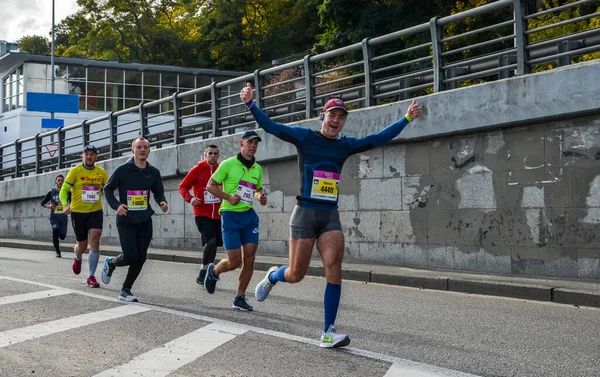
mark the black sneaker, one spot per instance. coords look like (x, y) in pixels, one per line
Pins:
(58, 254)
(200, 278)
(126, 295)
(240, 303)
(210, 281)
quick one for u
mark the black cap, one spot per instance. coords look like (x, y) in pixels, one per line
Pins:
(90, 147)
(250, 134)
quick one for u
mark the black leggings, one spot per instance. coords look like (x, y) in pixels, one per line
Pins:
(55, 236)
(135, 240)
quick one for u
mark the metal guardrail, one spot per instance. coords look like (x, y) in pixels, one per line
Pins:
(426, 58)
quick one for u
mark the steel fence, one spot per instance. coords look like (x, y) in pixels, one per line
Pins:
(445, 53)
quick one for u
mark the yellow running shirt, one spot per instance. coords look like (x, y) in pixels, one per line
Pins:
(86, 185)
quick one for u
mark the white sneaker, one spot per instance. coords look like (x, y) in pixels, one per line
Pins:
(264, 287)
(331, 339)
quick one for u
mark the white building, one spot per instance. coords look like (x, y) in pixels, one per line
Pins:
(102, 86)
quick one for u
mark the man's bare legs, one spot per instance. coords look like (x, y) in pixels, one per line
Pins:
(244, 257)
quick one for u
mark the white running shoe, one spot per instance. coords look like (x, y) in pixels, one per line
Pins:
(264, 287)
(331, 339)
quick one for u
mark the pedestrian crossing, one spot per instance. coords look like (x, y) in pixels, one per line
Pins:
(192, 342)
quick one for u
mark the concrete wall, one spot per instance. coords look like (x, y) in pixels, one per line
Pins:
(501, 177)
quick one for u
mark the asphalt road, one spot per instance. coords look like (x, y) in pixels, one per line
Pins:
(51, 324)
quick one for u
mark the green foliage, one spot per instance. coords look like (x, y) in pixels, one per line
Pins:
(349, 21)
(474, 23)
(558, 31)
(34, 44)
(147, 31)
(248, 34)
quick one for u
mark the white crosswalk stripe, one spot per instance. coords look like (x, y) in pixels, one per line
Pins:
(166, 359)
(23, 334)
(400, 370)
(32, 296)
(175, 354)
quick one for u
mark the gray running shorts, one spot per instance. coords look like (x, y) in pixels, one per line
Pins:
(312, 223)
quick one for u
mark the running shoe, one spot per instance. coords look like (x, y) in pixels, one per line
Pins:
(240, 303)
(76, 263)
(58, 255)
(200, 278)
(264, 287)
(107, 271)
(331, 339)
(92, 283)
(210, 281)
(126, 295)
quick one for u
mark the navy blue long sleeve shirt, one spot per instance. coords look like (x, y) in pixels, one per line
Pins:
(320, 159)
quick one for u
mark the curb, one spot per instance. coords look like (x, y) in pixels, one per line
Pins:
(516, 290)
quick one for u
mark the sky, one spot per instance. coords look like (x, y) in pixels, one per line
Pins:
(19, 18)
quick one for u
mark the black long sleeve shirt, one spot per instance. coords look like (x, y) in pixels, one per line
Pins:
(52, 197)
(134, 185)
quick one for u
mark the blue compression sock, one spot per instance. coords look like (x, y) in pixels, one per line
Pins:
(93, 258)
(278, 275)
(331, 303)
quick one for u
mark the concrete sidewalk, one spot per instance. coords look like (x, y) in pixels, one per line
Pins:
(564, 291)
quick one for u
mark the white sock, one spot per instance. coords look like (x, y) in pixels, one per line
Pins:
(78, 255)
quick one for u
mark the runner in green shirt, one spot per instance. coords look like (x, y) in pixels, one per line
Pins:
(241, 180)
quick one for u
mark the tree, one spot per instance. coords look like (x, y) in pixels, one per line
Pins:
(34, 44)
(247, 34)
(349, 21)
(145, 31)
(566, 29)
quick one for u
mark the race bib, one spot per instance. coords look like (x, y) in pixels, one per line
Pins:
(325, 185)
(246, 191)
(137, 200)
(90, 194)
(210, 198)
(58, 209)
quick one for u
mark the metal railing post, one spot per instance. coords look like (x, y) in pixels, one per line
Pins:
(17, 158)
(143, 120)
(60, 136)
(566, 46)
(453, 73)
(38, 154)
(309, 81)
(520, 11)
(215, 110)
(177, 113)
(437, 48)
(85, 133)
(367, 52)
(258, 91)
(112, 122)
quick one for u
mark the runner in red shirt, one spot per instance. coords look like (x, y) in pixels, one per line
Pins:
(205, 205)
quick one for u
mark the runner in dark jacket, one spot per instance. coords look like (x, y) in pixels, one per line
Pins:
(134, 180)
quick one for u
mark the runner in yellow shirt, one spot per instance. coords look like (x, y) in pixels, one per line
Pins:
(86, 182)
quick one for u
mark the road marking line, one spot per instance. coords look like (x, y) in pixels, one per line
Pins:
(23, 334)
(422, 370)
(395, 361)
(32, 296)
(176, 353)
